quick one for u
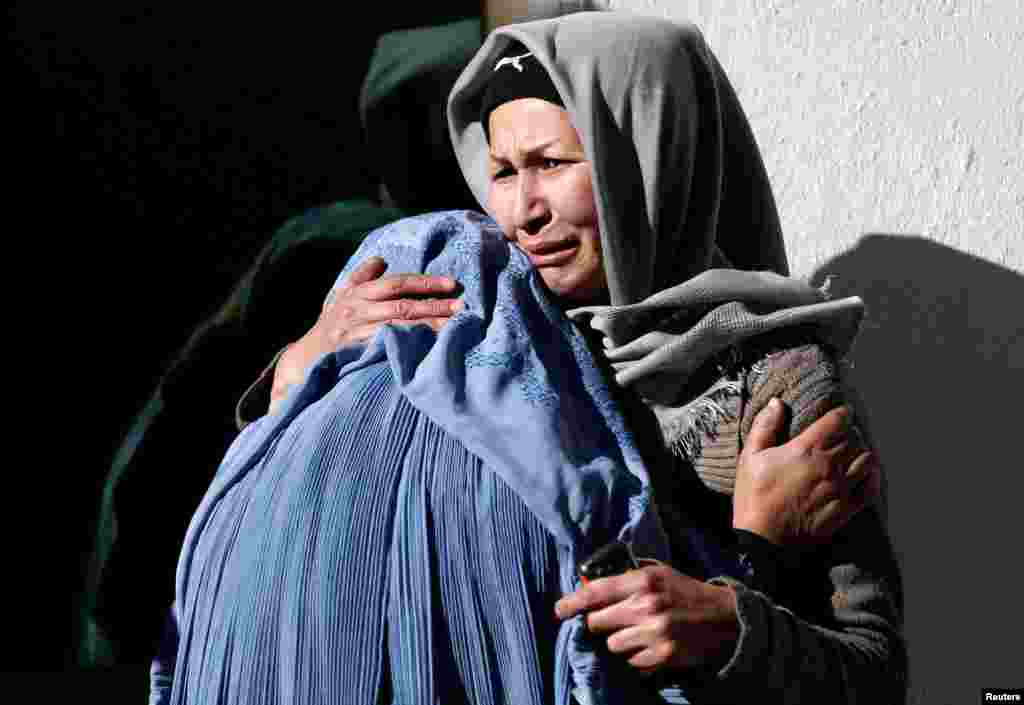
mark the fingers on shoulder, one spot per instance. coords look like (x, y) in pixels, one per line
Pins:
(401, 285)
(863, 478)
(368, 270)
(830, 432)
(421, 311)
(766, 427)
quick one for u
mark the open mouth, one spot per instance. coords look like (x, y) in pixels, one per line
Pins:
(552, 255)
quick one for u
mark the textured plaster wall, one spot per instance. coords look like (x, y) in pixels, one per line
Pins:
(893, 132)
(873, 115)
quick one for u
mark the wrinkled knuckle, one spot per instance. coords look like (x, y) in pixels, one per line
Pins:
(756, 460)
(649, 580)
(421, 309)
(840, 448)
(649, 604)
(402, 309)
(757, 468)
(805, 451)
(585, 593)
(662, 572)
(661, 625)
(585, 596)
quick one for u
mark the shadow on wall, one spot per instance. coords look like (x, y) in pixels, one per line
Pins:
(940, 366)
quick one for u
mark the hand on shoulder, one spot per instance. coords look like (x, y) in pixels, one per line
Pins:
(806, 489)
(357, 309)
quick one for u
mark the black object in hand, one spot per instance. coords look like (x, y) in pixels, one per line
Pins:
(611, 559)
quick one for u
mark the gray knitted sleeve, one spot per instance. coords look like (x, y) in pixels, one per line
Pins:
(847, 649)
(855, 654)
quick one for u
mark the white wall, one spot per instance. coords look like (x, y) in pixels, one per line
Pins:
(893, 132)
(902, 116)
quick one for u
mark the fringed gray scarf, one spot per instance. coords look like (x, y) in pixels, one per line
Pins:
(656, 346)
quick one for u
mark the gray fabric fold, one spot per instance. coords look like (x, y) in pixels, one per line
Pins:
(655, 346)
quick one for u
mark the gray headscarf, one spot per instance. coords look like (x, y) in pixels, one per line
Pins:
(674, 163)
(681, 193)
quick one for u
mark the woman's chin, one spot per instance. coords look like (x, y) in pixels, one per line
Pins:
(573, 291)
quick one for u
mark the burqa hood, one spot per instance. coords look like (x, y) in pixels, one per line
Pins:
(679, 182)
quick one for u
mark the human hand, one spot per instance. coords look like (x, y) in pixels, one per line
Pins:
(658, 618)
(808, 488)
(356, 309)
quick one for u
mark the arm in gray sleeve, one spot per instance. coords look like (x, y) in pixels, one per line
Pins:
(834, 634)
(851, 650)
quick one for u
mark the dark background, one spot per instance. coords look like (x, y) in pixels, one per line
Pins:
(151, 150)
(939, 362)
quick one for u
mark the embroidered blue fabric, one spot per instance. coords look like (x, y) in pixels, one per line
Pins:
(398, 531)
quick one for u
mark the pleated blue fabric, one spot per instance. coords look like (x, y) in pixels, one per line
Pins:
(399, 530)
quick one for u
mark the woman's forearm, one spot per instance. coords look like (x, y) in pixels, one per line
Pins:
(852, 653)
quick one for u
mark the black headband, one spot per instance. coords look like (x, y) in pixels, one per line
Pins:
(517, 74)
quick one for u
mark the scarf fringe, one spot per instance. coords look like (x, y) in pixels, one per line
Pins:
(686, 428)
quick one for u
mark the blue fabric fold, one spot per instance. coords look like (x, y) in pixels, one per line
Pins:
(355, 544)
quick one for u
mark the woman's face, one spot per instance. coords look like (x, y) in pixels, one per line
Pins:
(541, 195)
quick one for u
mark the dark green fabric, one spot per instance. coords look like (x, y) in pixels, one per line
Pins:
(402, 107)
(174, 445)
(408, 56)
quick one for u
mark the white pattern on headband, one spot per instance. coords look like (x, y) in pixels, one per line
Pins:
(514, 60)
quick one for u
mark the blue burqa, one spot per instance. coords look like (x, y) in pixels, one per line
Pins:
(399, 530)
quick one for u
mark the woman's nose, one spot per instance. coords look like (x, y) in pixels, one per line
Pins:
(532, 212)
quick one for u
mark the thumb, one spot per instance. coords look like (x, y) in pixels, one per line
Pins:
(764, 432)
